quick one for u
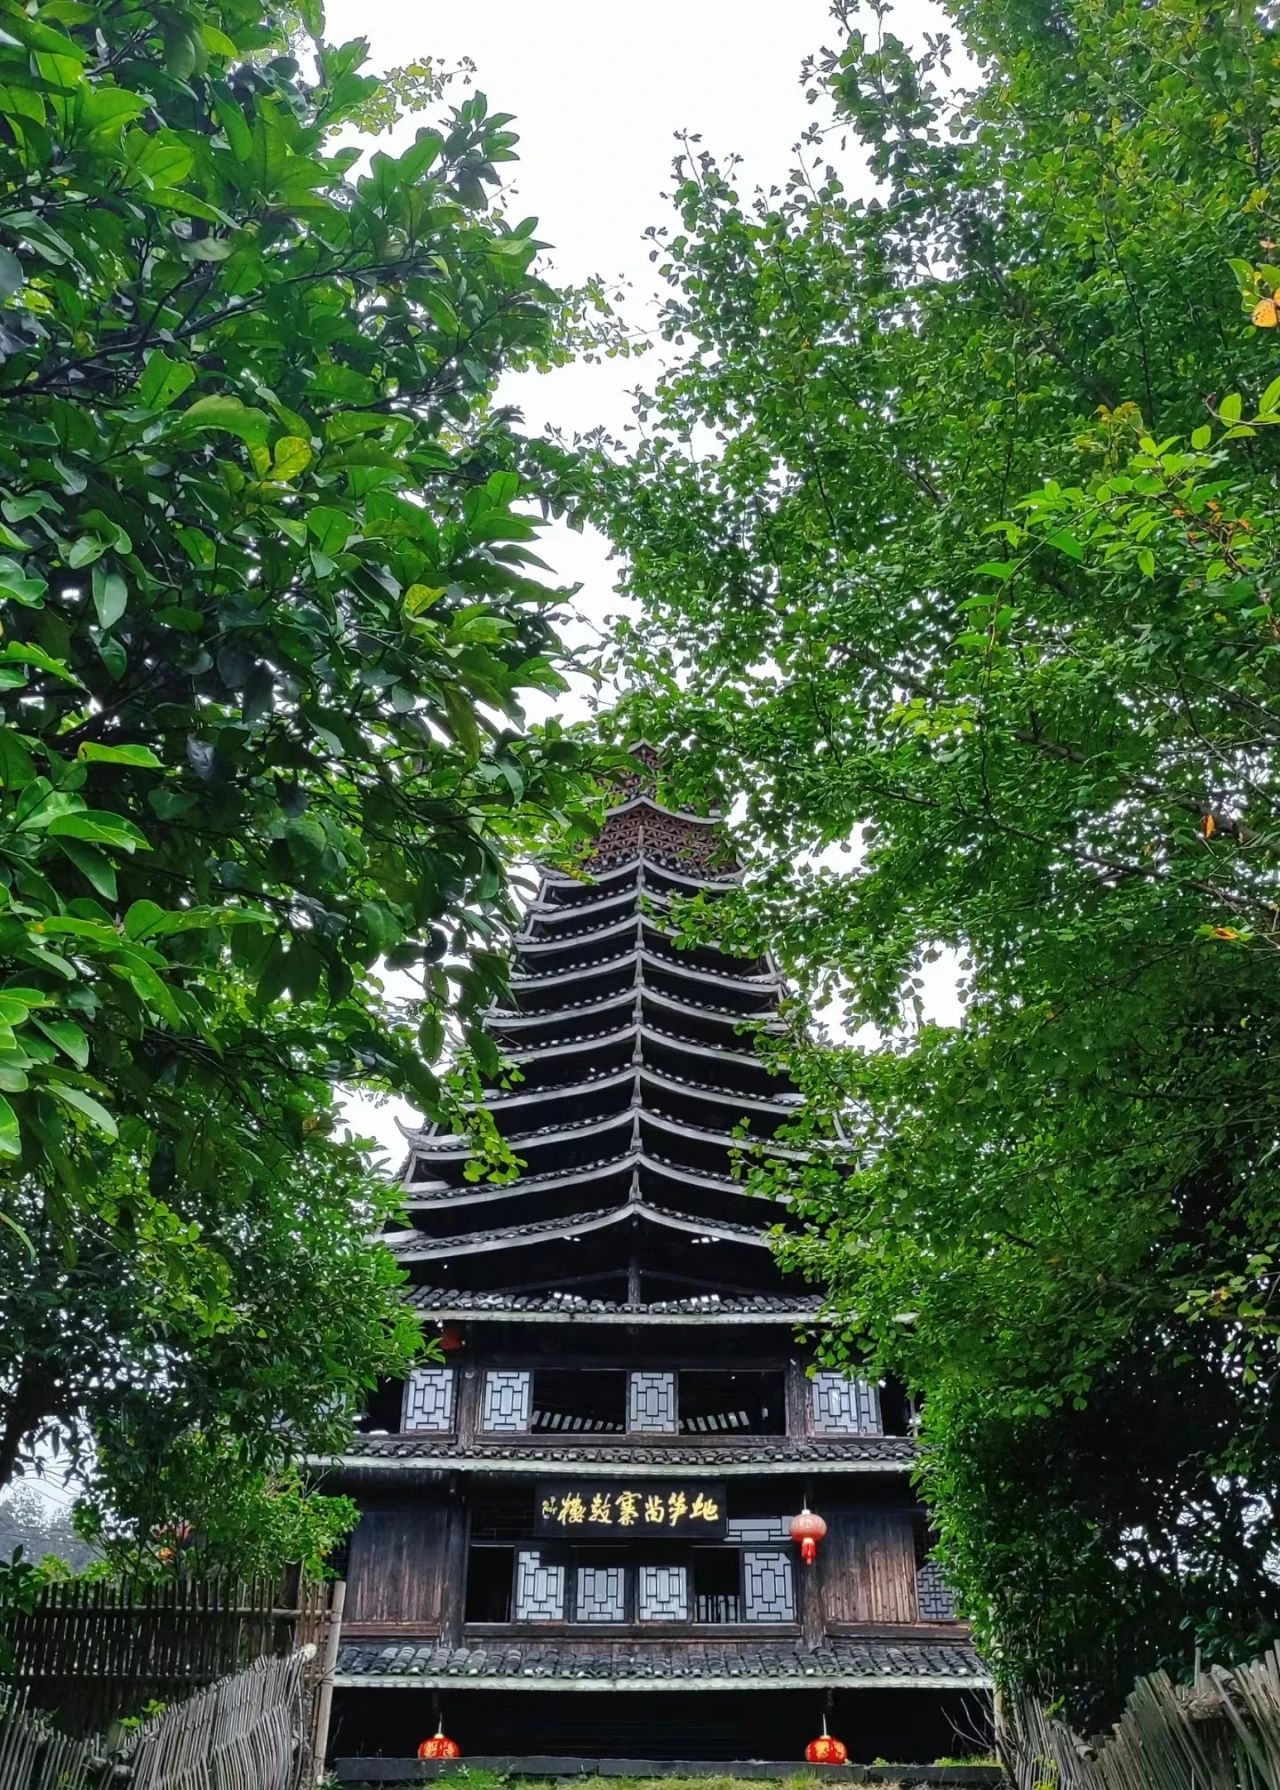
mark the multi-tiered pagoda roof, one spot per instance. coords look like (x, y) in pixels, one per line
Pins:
(637, 1073)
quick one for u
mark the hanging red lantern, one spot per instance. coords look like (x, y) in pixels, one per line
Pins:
(826, 1750)
(808, 1530)
(450, 1338)
(440, 1746)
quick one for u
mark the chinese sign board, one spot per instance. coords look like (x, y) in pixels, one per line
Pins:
(617, 1511)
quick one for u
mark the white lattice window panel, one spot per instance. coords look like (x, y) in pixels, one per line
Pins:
(601, 1594)
(933, 1594)
(769, 1593)
(508, 1401)
(651, 1404)
(844, 1407)
(757, 1529)
(539, 1589)
(428, 1400)
(663, 1594)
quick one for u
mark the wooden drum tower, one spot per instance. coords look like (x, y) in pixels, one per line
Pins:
(576, 1532)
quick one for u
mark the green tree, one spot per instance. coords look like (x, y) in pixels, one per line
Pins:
(950, 552)
(269, 613)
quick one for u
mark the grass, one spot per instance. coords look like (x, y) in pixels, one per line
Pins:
(492, 1780)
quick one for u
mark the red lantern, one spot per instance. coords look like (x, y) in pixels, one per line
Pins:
(826, 1750)
(808, 1529)
(440, 1746)
(450, 1338)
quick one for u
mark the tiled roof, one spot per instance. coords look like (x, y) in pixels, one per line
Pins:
(455, 1304)
(415, 1245)
(750, 1452)
(774, 1665)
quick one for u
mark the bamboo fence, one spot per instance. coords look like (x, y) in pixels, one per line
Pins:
(246, 1732)
(1220, 1733)
(90, 1654)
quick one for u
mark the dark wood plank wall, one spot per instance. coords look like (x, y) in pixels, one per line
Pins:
(869, 1570)
(395, 1573)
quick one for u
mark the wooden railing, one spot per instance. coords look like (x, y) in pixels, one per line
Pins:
(1220, 1733)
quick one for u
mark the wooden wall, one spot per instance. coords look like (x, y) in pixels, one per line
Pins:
(395, 1572)
(869, 1566)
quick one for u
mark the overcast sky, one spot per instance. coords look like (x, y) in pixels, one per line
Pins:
(599, 93)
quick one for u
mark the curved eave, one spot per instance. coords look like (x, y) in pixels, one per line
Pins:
(410, 1247)
(700, 1134)
(556, 1137)
(606, 873)
(501, 1101)
(578, 940)
(760, 1022)
(775, 1105)
(665, 1040)
(545, 1138)
(499, 1019)
(764, 982)
(656, 807)
(505, 1019)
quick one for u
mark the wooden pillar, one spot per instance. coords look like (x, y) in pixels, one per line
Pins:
(453, 1589)
(799, 1403)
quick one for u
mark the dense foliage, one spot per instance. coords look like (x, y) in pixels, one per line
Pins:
(953, 534)
(268, 614)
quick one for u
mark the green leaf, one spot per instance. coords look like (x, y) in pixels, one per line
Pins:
(1201, 437)
(68, 1036)
(10, 274)
(92, 864)
(110, 597)
(18, 587)
(331, 528)
(1002, 569)
(462, 720)
(85, 551)
(1066, 541)
(237, 418)
(1229, 409)
(142, 918)
(1270, 399)
(292, 456)
(99, 828)
(92, 1109)
(142, 757)
(10, 1135)
(163, 380)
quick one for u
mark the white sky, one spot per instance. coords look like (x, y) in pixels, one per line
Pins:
(599, 93)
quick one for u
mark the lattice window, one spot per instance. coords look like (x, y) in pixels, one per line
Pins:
(601, 1594)
(770, 1596)
(428, 1400)
(508, 1401)
(651, 1404)
(845, 1407)
(757, 1529)
(933, 1594)
(663, 1594)
(539, 1589)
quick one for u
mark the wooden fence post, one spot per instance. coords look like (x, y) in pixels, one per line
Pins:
(323, 1712)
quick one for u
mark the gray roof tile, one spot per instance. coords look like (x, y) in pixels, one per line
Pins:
(779, 1450)
(836, 1661)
